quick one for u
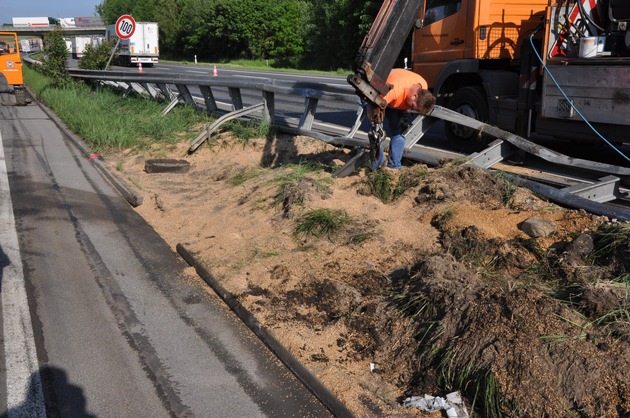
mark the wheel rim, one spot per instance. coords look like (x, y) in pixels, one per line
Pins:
(462, 131)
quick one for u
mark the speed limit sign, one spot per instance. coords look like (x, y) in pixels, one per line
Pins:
(125, 26)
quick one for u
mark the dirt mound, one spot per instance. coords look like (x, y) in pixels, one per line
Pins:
(396, 283)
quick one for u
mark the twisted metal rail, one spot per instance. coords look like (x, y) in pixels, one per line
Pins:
(176, 89)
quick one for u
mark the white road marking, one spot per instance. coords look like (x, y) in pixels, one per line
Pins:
(25, 397)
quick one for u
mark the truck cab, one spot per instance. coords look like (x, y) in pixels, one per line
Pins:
(11, 66)
(469, 51)
(484, 58)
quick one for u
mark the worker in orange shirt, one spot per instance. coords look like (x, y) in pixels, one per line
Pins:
(409, 93)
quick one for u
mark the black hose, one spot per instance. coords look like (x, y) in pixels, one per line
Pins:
(585, 16)
(570, 200)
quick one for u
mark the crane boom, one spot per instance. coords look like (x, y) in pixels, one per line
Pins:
(379, 50)
(376, 57)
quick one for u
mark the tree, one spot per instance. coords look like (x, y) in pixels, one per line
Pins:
(288, 30)
(169, 24)
(146, 11)
(194, 35)
(337, 30)
(323, 34)
(111, 10)
(256, 29)
(56, 53)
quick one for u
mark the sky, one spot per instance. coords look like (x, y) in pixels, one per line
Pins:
(47, 8)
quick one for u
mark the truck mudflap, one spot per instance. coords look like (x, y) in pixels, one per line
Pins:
(530, 147)
(20, 95)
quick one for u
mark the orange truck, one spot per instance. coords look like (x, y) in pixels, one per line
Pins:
(11, 65)
(526, 66)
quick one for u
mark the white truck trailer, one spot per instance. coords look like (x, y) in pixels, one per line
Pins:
(67, 22)
(20, 22)
(78, 45)
(88, 21)
(143, 46)
(25, 46)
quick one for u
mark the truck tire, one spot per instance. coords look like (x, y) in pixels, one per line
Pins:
(469, 101)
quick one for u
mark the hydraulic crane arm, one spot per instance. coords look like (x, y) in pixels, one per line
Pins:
(375, 60)
(379, 51)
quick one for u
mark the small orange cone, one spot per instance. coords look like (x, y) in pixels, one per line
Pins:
(140, 67)
(215, 73)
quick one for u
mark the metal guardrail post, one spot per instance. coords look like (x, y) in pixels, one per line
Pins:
(308, 117)
(166, 91)
(237, 99)
(270, 107)
(170, 106)
(152, 91)
(208, 98)
(185, 94)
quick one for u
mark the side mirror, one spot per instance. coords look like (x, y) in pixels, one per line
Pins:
(419, 23)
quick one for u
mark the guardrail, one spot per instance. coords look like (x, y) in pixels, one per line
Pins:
(177, 89)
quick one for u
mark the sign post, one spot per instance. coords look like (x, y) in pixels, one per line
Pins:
(125, 27)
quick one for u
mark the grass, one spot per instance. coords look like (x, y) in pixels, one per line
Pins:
(388, 189)
(381, 185)
(291, 175)
(509, 187)
(243, 175)
(588, 328)
(106, 120)
(322, 222)
(610, 238)
(442, 218)
(479, 384)
(250, 129)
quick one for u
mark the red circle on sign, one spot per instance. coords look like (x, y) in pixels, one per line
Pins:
(125, 26)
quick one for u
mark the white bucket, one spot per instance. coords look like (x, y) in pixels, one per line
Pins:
(588, 46)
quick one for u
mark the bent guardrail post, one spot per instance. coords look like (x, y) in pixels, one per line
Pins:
(171, 105)
(184, 93)
(152, 91)
(196, 143)
(526, 145)
(416, 131)
(166, 91)
(357, 123)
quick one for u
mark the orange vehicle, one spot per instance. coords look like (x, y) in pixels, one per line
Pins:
(11, 65)
(527, 66)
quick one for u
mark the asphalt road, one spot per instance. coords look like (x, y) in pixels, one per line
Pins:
(97, 317)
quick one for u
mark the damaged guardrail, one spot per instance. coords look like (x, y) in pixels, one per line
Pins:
(177, 89)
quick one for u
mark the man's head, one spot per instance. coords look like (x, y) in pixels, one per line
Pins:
(420, 100)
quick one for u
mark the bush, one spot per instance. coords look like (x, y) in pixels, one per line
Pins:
(56, 56)
(96, 57)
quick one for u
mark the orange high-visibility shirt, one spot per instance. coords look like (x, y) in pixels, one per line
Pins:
(402, 80)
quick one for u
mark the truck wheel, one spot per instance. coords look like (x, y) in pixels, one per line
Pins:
(471, 102)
